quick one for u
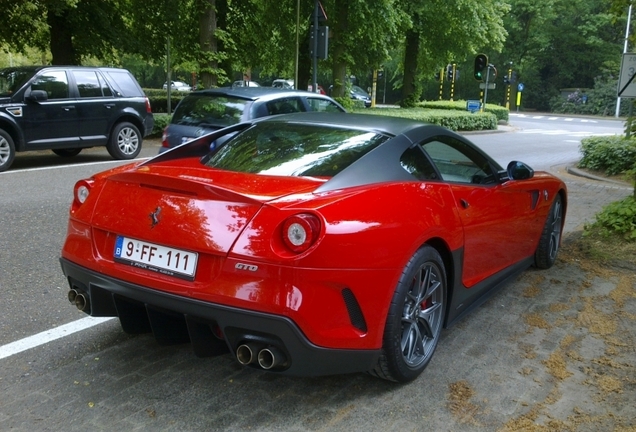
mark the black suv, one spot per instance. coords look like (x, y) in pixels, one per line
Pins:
(67, 108)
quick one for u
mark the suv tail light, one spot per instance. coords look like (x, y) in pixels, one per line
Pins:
(148, 108)
(164, 138)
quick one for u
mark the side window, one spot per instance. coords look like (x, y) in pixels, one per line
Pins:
(458, 162)
(284, 106)
(123, 83)
(416, 163)
(54, 83)
(322, 105)
(87, 84)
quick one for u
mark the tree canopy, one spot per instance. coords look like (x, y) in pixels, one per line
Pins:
(553, 44)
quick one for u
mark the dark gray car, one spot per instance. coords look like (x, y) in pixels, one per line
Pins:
(205, 111)
(68, 108)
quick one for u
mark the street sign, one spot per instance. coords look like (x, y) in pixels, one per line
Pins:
(473, 105)
(626, 82)
(520, 87)
(491, 86)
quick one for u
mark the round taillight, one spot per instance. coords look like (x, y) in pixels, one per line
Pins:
(300, 232)
(82, 190)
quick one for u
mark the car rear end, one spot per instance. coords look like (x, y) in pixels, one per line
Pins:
(223, 259)
(200, 113)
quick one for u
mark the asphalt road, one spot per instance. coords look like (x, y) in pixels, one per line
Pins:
(504, 366)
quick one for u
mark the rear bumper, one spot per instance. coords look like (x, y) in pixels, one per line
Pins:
(149, 123)
(174, 319)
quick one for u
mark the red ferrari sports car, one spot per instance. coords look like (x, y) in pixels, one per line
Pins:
(309, 244)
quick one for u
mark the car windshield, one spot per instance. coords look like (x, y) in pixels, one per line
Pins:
(289, 149)
(11, 79)
(209, 110)
(359, 91)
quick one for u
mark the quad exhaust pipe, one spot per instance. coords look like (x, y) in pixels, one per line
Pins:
(267, 358)
(79, 299)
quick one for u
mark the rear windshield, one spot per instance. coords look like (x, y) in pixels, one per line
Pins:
(209, 110)
(285, 149)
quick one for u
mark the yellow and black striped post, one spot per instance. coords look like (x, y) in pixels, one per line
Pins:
(441, 83)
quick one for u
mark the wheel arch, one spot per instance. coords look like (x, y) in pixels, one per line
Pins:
(129, 118)
(14, 133)
(445, 253)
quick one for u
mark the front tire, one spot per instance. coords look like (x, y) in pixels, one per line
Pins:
(7, 150)
(415, 319)
(125, 141)
(550, 240)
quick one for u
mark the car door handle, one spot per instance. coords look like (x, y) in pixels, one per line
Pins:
(68, 107)
(109, 105)
(464, 203)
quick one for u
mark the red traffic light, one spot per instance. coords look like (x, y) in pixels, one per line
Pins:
(481, 63)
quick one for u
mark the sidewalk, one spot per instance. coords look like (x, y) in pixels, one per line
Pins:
(588, 195)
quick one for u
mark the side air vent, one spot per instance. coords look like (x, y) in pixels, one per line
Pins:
(355, 313)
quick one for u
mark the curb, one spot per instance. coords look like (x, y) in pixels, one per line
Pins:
(579, 173)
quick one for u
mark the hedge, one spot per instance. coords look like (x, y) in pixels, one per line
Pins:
(500, 112)
(452, 119)
(610, 154)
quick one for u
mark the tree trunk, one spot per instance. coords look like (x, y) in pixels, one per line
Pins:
(339, 68)
(409, 83)
(304, 63)
(207, 39)
(61, 39)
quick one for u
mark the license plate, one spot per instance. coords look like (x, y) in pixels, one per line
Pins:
(157, 258)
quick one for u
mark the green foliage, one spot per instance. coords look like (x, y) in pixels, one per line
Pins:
(618, 218)
(451, 119)
(600, 100)
(610, 154)
(161, 121)
(501, 113)
(159, 99)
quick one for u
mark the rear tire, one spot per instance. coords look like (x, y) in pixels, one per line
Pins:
(125, 141)
(415, 319)
(7, 150)
(550, 240)
(67, 152)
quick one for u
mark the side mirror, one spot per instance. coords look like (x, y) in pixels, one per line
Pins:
(519, 171)
(37, 96)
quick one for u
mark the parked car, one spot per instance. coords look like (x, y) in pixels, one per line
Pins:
(205, 111)
(68, 108)
(177, 86)
(358, 93)
(320, 89)
(311, 243)
(283, 83)
(245, 84)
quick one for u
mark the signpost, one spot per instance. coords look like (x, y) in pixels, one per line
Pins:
(520, 88)
(626, 82)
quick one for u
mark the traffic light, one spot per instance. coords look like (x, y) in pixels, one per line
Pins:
(481, 63)
(449, 72)
(438, 75)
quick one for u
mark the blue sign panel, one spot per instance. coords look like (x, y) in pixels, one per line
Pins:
(473, 105)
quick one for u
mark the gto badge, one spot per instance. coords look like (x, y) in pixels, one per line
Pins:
(154, 217)
(248, 267)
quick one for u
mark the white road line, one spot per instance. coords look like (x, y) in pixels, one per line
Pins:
(49, 336)
(71, 166)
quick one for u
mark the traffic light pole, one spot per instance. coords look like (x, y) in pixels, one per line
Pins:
(486, 89)
(452, 84)
(508, 88)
